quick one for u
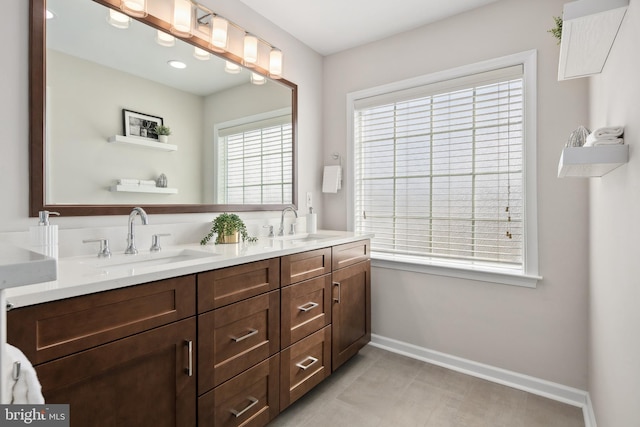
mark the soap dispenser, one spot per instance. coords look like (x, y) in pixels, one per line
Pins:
(44, 236)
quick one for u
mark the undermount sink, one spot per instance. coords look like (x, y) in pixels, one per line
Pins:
(119, 262)
(302, 237)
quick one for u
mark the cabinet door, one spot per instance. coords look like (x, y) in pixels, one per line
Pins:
(143, 380)
(351, 311)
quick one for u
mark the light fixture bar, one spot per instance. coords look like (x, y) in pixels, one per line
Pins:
(137, 8)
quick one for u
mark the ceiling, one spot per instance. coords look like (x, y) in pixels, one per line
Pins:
(330, 26)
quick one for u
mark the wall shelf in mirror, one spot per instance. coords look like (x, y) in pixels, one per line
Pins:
(591, 161)
(142, 189)
(119, 139)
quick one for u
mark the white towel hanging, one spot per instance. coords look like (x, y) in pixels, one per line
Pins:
(20, 385)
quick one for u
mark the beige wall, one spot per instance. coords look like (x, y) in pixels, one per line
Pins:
(540, 332)
(614, 345)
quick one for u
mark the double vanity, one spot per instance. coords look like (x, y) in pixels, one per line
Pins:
(216, 335)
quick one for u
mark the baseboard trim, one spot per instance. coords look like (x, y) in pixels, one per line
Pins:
(551, 390)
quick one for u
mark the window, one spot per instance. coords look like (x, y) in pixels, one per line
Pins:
(255, 161)
(441, 169)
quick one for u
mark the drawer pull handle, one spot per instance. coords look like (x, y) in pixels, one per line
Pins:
(312, 361)
(251, 333)
(308, 306)
(189, 368)
(337, 300)
(253, 403)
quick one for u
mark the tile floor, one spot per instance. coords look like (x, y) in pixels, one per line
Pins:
(380, 388)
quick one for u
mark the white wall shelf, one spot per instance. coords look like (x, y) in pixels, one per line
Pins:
(592, 161)
(589, 29)
(142, 189)
(142, 142)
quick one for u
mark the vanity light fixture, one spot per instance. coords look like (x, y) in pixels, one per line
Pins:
(137, 8)
(201, 54)
(182, 18)
(232, 67)
(118, 19)
(164, 39)
(258, 79)
(250, 55)
(219, 29)
(177, 64)
(275, 63)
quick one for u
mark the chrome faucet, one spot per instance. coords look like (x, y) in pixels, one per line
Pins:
(284, 211)
(131, 240)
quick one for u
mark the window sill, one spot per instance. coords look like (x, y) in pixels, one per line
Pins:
(459, 270)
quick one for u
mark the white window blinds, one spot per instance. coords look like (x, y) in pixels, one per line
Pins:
(439, 169)
(256, 162)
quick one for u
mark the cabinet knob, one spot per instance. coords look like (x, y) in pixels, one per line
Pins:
(104, 251)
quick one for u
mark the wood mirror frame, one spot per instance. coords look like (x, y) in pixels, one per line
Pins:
(37, 139)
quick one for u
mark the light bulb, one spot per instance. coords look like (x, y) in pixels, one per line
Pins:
(182, 18)
(137, 8)
(219, 27)
(258, 79)
(164, 39)
(275, 63)
(232, 67)
(201, 54)
(250, 50)
(118, 20)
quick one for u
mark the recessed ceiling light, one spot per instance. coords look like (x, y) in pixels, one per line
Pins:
(177, 64)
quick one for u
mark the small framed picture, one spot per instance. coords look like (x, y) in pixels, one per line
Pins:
(140, 125)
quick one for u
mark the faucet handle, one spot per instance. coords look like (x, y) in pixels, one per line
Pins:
(155, 242)
(270, 227)
(104, 252)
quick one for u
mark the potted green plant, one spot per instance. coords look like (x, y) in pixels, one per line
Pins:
(228, 227)
(163, 133)
(557, 30)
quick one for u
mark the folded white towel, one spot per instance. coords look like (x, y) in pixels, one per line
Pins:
(147, 182)
(25, 389)
(608, 132)
(592, 140)
(615, 141)
(128, 181)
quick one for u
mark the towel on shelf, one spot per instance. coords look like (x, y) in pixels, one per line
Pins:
(148, 182)
(20, 385)
(128, 181)
(615, 141)
(608, 132)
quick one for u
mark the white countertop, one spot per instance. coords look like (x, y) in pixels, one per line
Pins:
(19, 267)
(88, 274)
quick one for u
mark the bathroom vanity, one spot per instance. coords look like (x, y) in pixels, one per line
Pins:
(231, 337)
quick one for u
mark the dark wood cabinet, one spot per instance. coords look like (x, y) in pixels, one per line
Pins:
(142, 380)
(228, 347)
(351, 296)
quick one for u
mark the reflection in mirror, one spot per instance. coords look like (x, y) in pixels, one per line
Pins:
(231, 143)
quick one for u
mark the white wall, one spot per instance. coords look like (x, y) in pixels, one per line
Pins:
(614, 345)
(303, 66)
(540, 332)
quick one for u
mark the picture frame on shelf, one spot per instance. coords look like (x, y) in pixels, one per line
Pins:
(140, 125)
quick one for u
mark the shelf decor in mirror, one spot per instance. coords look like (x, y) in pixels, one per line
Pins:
(114, 69)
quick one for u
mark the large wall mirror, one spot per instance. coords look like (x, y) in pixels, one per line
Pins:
(97, 92)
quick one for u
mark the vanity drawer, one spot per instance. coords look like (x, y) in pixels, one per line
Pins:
(306, 308)
(350, 253)
(250, 399)
(305, 265)
(304, 365)
(47, 331)
(236, 337)
(225, 286)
